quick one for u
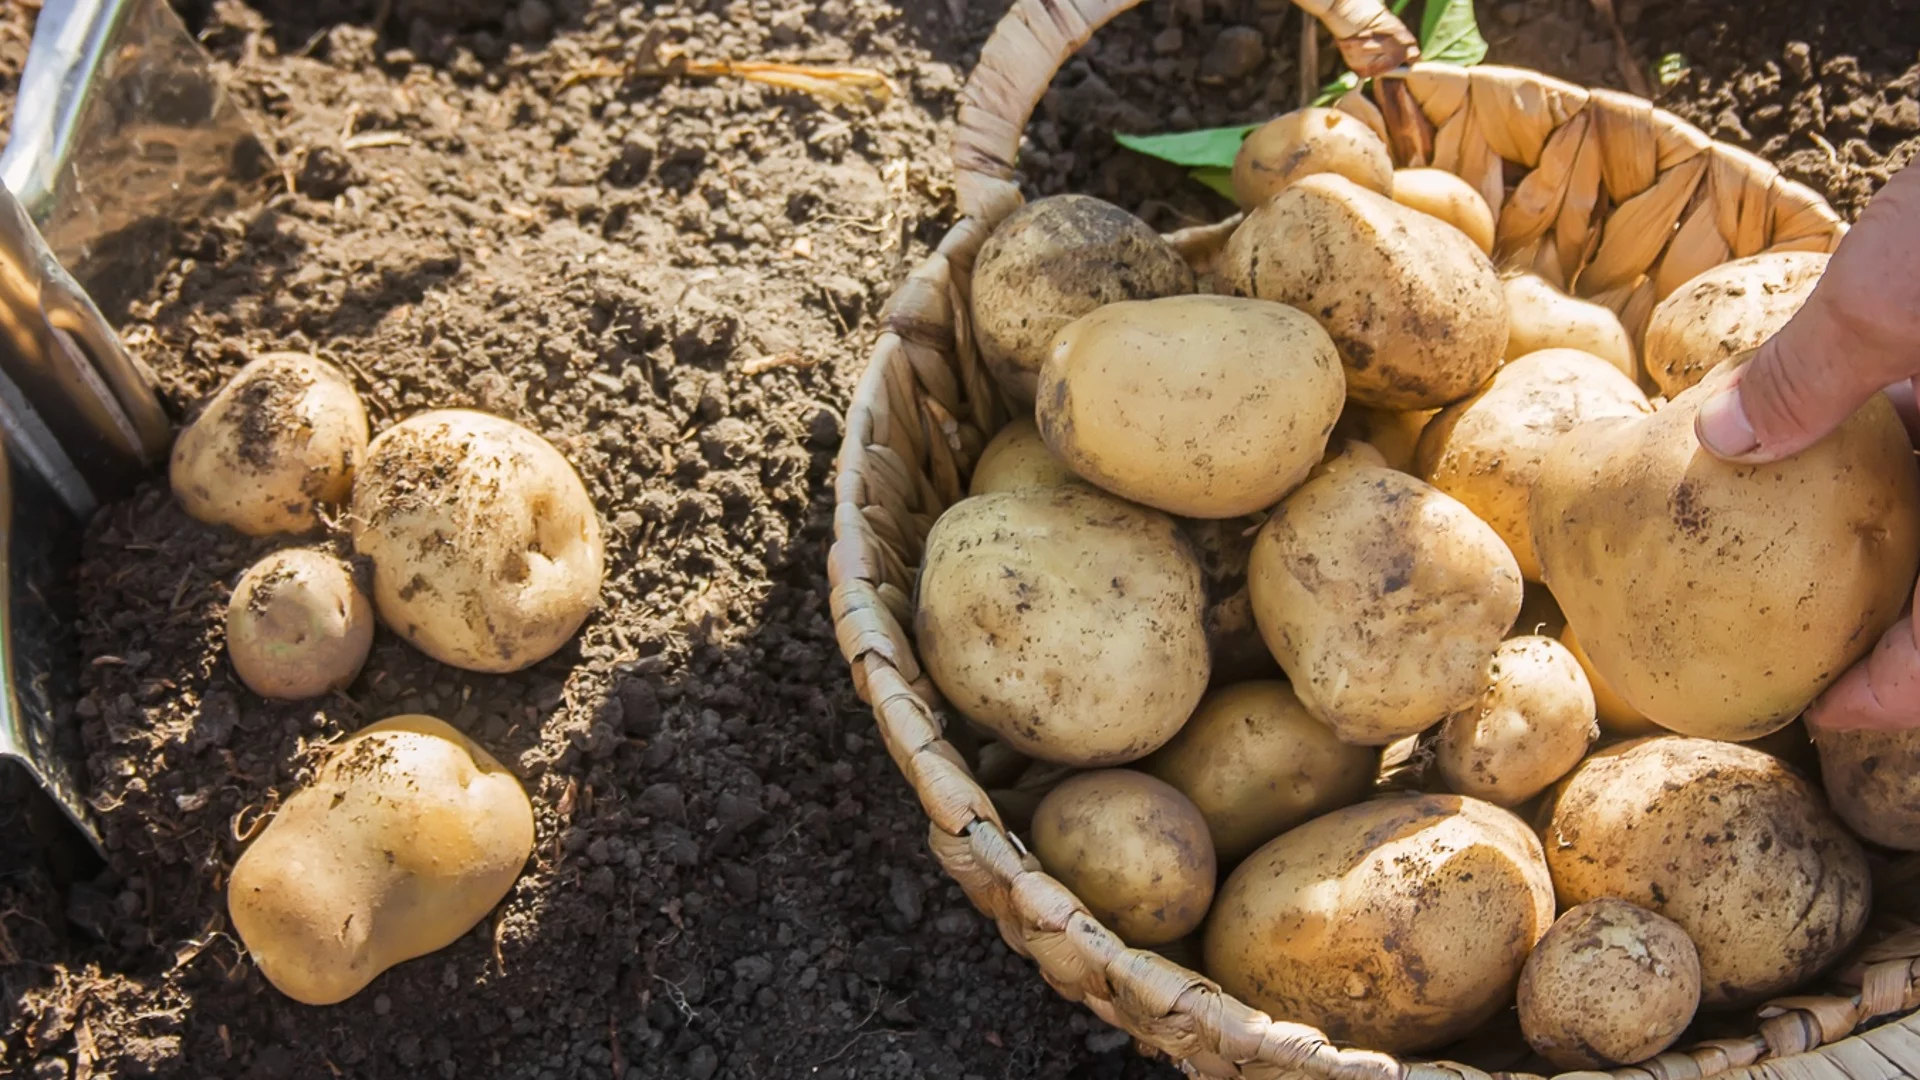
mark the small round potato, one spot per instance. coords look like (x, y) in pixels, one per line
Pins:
(1611, 984)
(1016, 457)
(1438, 193)
(1532, 724)
(1540, 316)
(1304, 143)
(281, 439)
(486, 549)
(1616, 716)
(1051, 262)
(1243, 396)
(1134, 851)
(1065, 620)
(1255, 765)
(1873, 781)
(298, 625)
(406, 837)
(1396, 435)
(1234, 642)
(1726, 311)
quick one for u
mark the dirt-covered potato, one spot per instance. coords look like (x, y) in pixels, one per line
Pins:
(298, 625)
(1438, 193)
(486, 548)
(1722, 839)
(1383, 599)
(1398, 924)
(1255, 765)
(1395, 435)
(406, 837)
(1529, 727)
(280, 440)
(1017, 457)
(1052, 261)
(1414, 308)
(1066, 620)
(1724, 312)
(1610, 984)
(1205, 406)
(1134, 851)
(1769, 580)
(1540, 316)
(1873, 781)
(1616, 716)
(1307, 142)
(1485, 451)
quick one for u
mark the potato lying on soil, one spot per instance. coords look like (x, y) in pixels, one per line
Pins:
(1873, 781)
(1395, 435)
(1051, 262)
(1134, 851)
(1616, 716)
(487, 551)
(1771, 579)
(1724, 312)
(1383, 599)
(1416, 310)
(1255, 765)
(1066, 620)
(1724, 840)
(1610, 984)
(1438, 193)
(1540, 316)
(1398, 924)
(1530, 726)
(298, 625)
(405, 838)
(1486, 450)
(1244, 394)
(1017, 457)
(281, 439)
(1304, 143)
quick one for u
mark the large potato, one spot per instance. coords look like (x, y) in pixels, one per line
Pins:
(1134, 851)
(1307, 142)
(1540, 316)
(1398, 924)
(1438, 193)
(405, 838)
(1873, 781)
(1206, 406)
(1415, 309)
(1065, 620)
(1255, 765)
(1610, 984)
(280, 440)
(1052, 261)
(487, 551)
(1529, 727)
(1383, 599)
(1485, 451)
(1720, 599)
(298, 625)
(1017, 457)
(1616, 716)
(1724, 840)
(1724, 312)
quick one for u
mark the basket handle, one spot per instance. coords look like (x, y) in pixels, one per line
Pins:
(1033, 40)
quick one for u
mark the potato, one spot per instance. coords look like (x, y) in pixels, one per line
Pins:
(1485, 451)
(1134, 851)
(1398, 924)
(1243, 396)
(1610, 984)
(1414, 308)
(1873, 781)
(1065, 620)
(1051, 262)
(1724, 312)
(1233, 640)
(1017, 457)
(1540, 316)
(1308, 142)
(1616, 716)
(1255, 765)
(487, 551)
(1539, 613)
(1394, 435)
(1383, 600)
(298, 625)
(406, 837)
(1438, 193)
(1724, 840)
(1530, 726)
(280, 440)
(1720, 599)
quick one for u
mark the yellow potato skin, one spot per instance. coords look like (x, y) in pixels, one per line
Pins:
(1304, 143)
(1399, 924)
(1017, 457)
(1540, 316)
(1134, 851)
(1726, 311)
(1717, 599)
(1610, 984)
(1616, 716)
(1529, 727)
(1438, 193)
(1383, 599)
(1395, 436)
(1873, 781)
(298, 625)
(406, 837)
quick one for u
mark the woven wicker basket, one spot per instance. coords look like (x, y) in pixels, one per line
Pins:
(1594, 189)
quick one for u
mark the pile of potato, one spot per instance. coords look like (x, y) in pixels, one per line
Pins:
(1353, 624)
(478, 543)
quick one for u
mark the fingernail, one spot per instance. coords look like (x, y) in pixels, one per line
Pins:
(1722, 425)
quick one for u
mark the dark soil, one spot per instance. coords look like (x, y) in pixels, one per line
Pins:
(676, 280)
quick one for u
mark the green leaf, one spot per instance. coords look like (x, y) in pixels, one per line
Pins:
(1672, 68)
(1449, 34)
(1220, 180)
(1338, 87)
(1209, 148)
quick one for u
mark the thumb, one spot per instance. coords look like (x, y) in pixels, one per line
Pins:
(1785, 399)
(1881, 692)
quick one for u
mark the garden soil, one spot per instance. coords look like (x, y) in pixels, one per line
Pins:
(520, 207)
